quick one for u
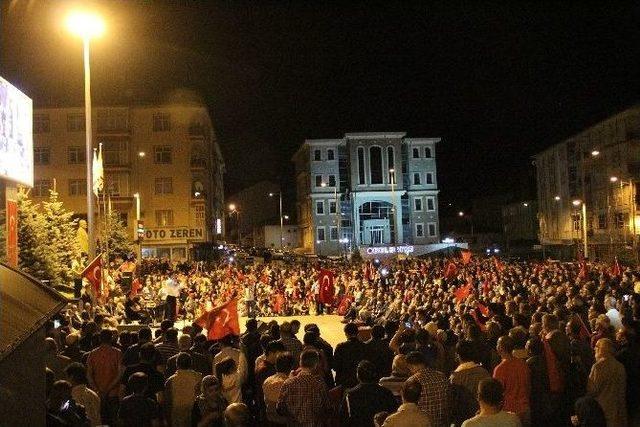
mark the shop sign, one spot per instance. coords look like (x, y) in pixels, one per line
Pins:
(172, 233)
(384, 250)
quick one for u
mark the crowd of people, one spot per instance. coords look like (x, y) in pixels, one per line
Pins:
(428, 342)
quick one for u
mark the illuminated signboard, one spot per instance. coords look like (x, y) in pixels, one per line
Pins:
(382, 250)
(16, 135)
(174, 233)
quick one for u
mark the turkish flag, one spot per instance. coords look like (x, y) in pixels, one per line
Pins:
(221, 321)
(498, 264)
(325, 281)
(462, 292)
(93, 273)
(616, 271)
(466, 257)
(584, 270)
(450, 270)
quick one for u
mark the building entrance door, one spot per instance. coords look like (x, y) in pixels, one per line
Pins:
(376, 235)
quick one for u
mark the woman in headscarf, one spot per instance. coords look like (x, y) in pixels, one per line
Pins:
(208, 409)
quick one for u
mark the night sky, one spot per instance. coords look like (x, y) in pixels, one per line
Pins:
(496, 82)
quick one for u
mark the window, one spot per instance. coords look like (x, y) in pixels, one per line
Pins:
(41, 187)
(429, 178)
(602, 221)
(199, 216)
(75, 122)
(118, 184)
(621, 219)
(41, 155)
(77, 187)
(113, 120)
(115, 153)
(320, 231)
(317, 155)
(419, 230)
(332, 207)
(331, 155)
(416, 153)
(417, 204)
(427, 152)
(361, 165)
(76, 155)
(319, 207)
(41, 123)
(577, 222)
(318, 180)
(391, 165)
(432, 229)
(375, 165)
(416, 179)
(164, 217)
(164, 185)
(333, 233)
(161, 122)
(162, 154)
(431, 204)
(332, 180)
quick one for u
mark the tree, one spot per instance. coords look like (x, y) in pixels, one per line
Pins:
(118, 236)
(62, 237)
(34, 251)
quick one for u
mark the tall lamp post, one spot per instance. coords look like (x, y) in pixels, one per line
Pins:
(87, 25)
(585, 243)
(279, 194)
(234, 210)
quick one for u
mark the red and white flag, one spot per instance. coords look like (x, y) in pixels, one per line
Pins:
(221, 321)
(450, 270)
(93, 273)
(616, 271)
(325, 281)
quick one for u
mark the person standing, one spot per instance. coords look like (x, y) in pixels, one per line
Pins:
(304, 399)
(171, 288)
(434, 398)
(490, 398)
(77, 374)
(104, 367)
(607, 384)
(464, 381)
(347, 356)
(408, 413)
(181, 390)
(513, 374)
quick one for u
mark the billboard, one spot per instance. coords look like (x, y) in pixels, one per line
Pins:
(16, 135)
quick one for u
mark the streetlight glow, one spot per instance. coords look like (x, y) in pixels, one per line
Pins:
(460, 213)
(141, 154)
(323, 184)
(85, 24)
(285, 216)
(557, 198)
(595, 153)
(525, 204)
(576, 202)
(613, 179)
(232, 207)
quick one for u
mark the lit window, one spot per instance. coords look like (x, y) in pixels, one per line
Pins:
(161, 122)
(162, 154)
(164, 217)
(164, 185)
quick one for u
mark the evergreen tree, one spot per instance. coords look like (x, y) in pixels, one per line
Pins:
(62, 237)
(118, 236)
(34, 251)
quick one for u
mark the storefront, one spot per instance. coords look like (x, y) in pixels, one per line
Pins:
(173, 243)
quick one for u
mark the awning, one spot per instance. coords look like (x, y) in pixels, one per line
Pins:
(25, 305)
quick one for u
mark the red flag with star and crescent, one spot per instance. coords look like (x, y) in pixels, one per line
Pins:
(221, 321)
(325, 279)
(450, 270)
(93, 273)
(616, 271)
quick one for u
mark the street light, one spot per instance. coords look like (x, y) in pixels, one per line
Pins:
(460, 213)
(557, 198)
(137, 197)
(279, 194)
(141, 154)
(525, 204)
(234, 210)
(86, 26)
(613, 179)
(595, 153)
(576, 203)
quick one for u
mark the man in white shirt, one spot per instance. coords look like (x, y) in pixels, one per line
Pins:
(408, 414)
(490, 398)
(81, 394)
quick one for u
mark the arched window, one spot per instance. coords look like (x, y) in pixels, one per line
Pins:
(427, 152)
(361, 166)
(391, 165)
(375, 164)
